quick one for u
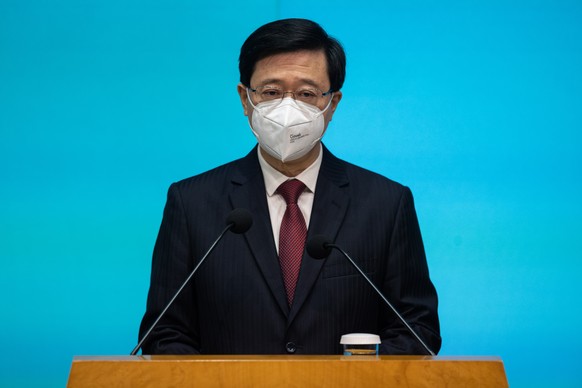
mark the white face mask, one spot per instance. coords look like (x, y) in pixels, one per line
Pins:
(287, 129)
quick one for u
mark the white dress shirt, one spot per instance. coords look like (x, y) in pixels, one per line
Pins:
(277, 205)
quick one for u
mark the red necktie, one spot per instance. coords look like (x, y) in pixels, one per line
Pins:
(291, 236)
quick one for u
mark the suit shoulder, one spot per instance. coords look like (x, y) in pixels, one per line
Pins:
(364, 173)
(343, 172)
(217, 177)
(365, 179)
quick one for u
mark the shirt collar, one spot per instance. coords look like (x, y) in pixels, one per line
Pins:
(274, 178)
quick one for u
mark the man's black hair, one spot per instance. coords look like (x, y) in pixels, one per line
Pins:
(290, 35)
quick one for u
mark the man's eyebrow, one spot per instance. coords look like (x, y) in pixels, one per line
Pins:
(278, 81)
(270, 81)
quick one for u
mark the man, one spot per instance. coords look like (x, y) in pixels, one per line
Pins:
(260, 292)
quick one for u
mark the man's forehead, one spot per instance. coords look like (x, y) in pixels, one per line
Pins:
(305, 66)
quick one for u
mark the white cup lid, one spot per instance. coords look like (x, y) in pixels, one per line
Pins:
(360, 339)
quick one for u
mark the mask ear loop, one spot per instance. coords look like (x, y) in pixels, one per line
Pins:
(328, 104)
(249, 98)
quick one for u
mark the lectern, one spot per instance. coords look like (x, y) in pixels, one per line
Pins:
(286, 371)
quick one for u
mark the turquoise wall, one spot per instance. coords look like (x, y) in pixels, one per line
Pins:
(477, 106)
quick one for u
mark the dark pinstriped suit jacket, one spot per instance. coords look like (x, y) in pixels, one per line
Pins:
(236, 303)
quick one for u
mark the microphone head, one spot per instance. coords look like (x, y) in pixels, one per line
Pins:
(318, 247)
(240, 219)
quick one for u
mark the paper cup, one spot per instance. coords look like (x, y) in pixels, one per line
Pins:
(360, 344)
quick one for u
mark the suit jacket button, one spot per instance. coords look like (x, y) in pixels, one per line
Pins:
(291, 347)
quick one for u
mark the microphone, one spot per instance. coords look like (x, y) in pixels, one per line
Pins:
(238, 221)
(319, 247)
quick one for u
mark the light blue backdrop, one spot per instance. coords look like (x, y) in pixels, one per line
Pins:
(477, 107)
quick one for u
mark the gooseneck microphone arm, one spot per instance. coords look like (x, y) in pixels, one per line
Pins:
(319, 247)
(239, 221)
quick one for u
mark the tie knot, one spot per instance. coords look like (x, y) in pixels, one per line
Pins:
(291, 190)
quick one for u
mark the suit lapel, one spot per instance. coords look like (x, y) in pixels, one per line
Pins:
(249, 192)
(329, 208)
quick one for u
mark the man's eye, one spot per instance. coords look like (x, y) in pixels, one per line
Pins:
(305, 94)
(271, 93)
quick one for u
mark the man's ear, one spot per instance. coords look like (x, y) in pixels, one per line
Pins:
(337, 97)
(242, 93)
